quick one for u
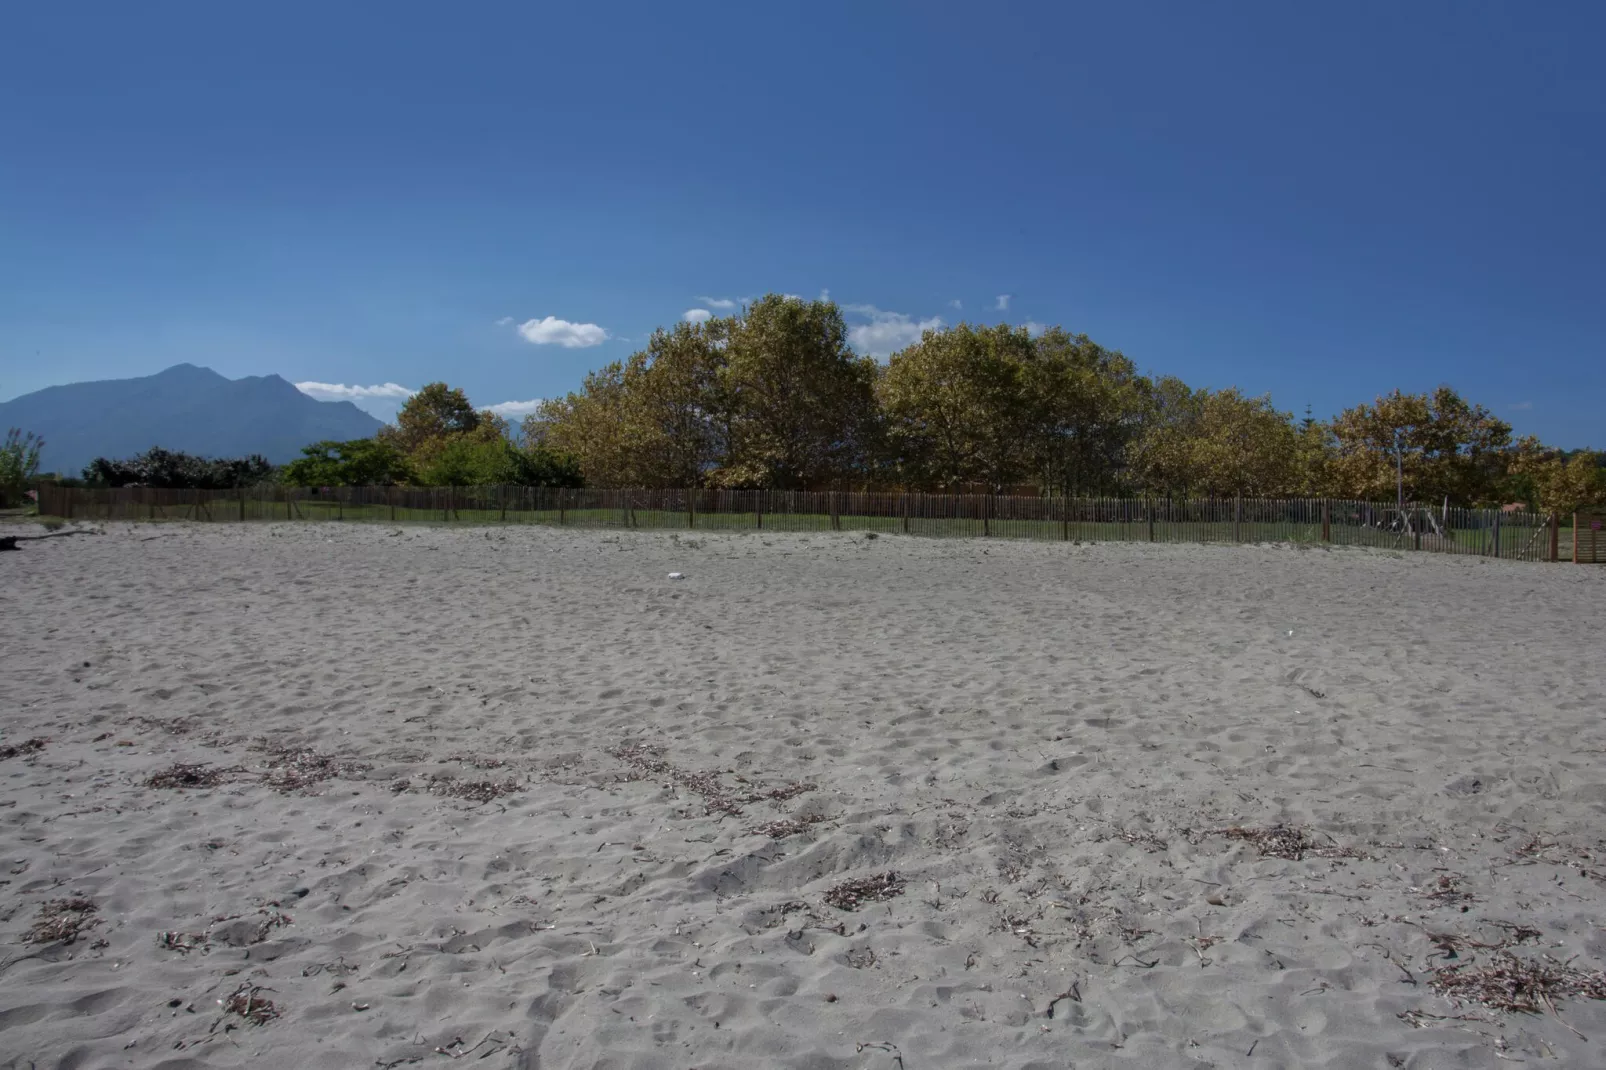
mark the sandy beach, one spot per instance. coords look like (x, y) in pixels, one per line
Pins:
(325, 796)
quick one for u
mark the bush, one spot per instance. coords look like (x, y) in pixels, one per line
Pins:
(19, 464)
(361, 462)
(166, 469)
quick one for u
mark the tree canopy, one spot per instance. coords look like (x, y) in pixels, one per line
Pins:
(773, 396)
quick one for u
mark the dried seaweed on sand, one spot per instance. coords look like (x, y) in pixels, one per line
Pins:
(181, 775)
(480, 791)
(27, 746)
(1288, 841)
(245, 1002)
(292, 769)
(1509, 983)
(852, 894)
(63, 920)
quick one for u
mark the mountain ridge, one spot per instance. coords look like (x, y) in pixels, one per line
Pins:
(185, 407)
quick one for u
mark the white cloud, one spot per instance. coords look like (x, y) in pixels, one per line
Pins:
(825, 295)
(505, 321)
(887, 332)
(956, 303)
(513, 410)
(697, 315)
(1003, 303)
(342, 392)
(1034, 328)
(556, 332)
(721, 303)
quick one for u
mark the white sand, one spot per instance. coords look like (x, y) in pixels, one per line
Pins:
(1001, 724)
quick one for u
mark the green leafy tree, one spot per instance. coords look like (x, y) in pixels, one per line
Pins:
(362, 462)
(1444, 446)
(795, 405)
(1160, 458)
(1218, 444)
(1089, 404)
(959, 407)
(19, 464)
(174, 470)
(589, 425)
(437, 411)
(1554, 480)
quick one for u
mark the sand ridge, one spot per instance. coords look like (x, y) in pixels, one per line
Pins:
(516, 797)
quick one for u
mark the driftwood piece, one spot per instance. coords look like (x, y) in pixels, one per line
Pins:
(9, 542)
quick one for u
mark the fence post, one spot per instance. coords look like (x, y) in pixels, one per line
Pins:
(1327, 521)
(758, 507)
(1576, 559)
(563, 501)
(1151, 520)
(903, 500)
(1238, 518)
(287, 515)
(501, 493)
(691, 509)
(1497, 532)
(1555, 536)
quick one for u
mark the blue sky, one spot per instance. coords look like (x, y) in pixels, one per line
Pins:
(1322, 202)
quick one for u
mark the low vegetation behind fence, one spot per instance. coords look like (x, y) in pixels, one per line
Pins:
(1514, 535)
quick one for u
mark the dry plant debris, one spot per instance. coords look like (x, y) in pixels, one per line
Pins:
(290, 769)
(478, 761)
(1508, 983)
(1452, 944)
(175, 726)
(191, 775)
(245, 1002)
(63, 920)
(1538, 849)
(1447, 890)
(266, 921)
(853, 894)
(480, 791)
(1287, 841)
(646, 761)
(1146, 840)
(172, 940)
(778, 830)
(27, 746)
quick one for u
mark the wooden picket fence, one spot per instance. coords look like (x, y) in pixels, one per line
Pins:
(1494, 533)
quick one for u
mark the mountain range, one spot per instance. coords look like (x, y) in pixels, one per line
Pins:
(185, 408)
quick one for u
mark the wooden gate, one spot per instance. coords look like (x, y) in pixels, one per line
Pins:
(1589, 537)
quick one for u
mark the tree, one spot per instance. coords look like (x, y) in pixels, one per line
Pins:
(362, 462)
(959, 407)
(1438, 445)
(673, 414)
(1160, 456)
(1555, 480)
(19, 464)
(481, 461)
(796, 404)
(1217, 444)
(170, 469)
(437, 411)
(1090, 404)
(589, 425)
